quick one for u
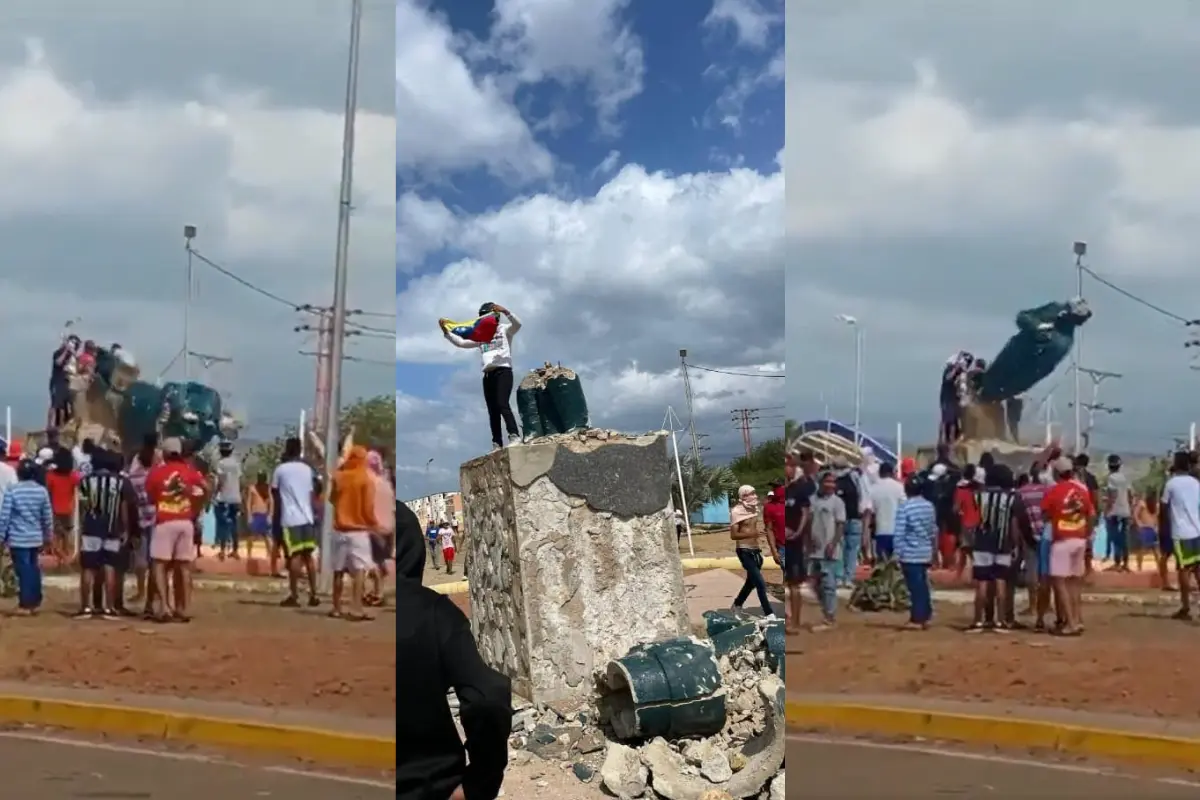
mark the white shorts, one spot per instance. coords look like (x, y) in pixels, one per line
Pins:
(94, 544)
(352, 552)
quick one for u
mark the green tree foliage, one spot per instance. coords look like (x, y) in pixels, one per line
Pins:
(763, 465)
(374, 421)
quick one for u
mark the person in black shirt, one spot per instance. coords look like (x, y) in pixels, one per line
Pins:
(1082, 462)
(847, 487)
(108, 513)
(437, 653)
(995, 549)
(796, 519)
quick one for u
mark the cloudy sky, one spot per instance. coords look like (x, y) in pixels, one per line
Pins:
(941, 163)
(118, 127)
(611, 171)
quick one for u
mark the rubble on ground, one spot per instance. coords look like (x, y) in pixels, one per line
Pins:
(743, 759)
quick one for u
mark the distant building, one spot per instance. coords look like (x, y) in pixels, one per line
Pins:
(437, 508)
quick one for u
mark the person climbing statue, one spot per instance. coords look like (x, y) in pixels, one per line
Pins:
(497, 370)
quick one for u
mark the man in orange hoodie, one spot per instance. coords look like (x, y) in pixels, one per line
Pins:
(353, 497)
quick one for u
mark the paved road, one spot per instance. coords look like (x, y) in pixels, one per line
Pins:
(44, 769)
(838, 770)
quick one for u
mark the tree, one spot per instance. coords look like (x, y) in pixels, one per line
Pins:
(704, 483)
(374, 422)
(763, 465)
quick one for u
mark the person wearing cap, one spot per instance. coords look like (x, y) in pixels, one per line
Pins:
(1180, 515)
(497, 357)
(227, 509)
(177, 490)
(1118, 510)
(797, 518)
(849, 487)
(1071, 513)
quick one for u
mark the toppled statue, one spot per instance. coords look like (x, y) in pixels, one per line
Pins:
(982, 400)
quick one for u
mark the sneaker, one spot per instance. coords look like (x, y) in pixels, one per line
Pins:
(85, 613)
(976, 627)
(822, 627)
(109, 614)
(313, 601)
(290, 602)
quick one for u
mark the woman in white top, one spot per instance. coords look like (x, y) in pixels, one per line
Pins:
(497, 371)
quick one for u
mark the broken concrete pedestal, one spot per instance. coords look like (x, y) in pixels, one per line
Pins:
(573, 558)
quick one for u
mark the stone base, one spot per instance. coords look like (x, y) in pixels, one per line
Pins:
(573, 559)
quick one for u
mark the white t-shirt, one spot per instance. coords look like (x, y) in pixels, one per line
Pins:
(294, 482)
(498, 352)
(886, 496)
(1181, 496)
(446, 537)
(8, 477)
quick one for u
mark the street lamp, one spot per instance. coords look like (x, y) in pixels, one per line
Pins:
(846, 319)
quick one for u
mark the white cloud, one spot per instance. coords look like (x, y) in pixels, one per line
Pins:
(752, 20)
(571, 42)
(96, 192)
(612, 286)
(935, 187)
(877, 161)
(451, 120)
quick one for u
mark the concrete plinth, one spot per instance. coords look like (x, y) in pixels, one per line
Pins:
(573, 558)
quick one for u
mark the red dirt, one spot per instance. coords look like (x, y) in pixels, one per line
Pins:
(238, 648)
(1130, 661)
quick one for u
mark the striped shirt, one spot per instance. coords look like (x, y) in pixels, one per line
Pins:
(104, 497)
(1031, 495)
(137, 479)
(25, 516)
(996, 509)
(916, 531)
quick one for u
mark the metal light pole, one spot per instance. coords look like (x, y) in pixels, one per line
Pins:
(189, 233)
(338, 333)
(1080, 250)
(846, 319)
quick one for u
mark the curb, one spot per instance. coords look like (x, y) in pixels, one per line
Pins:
(1007, 732)
(309, 744)
(725, 562)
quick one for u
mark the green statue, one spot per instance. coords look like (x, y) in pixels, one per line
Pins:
(1044, 338)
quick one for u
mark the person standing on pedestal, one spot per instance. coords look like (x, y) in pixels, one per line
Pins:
(497, 371)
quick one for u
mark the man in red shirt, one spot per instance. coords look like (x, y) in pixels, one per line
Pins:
(177, 490)
(1071, 513)
(773, 514)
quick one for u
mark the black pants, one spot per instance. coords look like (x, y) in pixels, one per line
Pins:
(752, 562)
(497, 389)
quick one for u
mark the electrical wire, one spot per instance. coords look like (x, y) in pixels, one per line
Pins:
(731, 372)
(233, 276)
(1139, 300)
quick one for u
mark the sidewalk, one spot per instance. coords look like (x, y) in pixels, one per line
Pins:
(1158, 740)
(965, 597)
(309, 735)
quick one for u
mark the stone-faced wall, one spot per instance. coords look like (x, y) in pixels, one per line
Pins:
(578, 535)
(497, 619)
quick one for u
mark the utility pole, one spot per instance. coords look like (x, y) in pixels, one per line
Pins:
(687, 392)
(1097, 377)
(1080, 249)
(189, 233)
(744, 418)
(341, 268)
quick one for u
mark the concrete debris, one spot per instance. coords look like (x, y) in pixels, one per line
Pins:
(744, 761)
(538, 378)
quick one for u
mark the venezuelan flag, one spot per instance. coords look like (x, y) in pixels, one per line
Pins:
(482, 329)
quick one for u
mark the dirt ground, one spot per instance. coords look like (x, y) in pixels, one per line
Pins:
(1130, 660)
(707, 545)
(239, 648)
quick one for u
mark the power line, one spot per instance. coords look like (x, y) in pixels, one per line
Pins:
(306, 307)
(738, 374)
(1135, 298)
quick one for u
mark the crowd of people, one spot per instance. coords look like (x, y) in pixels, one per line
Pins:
(144, 516)
(1035, 530)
